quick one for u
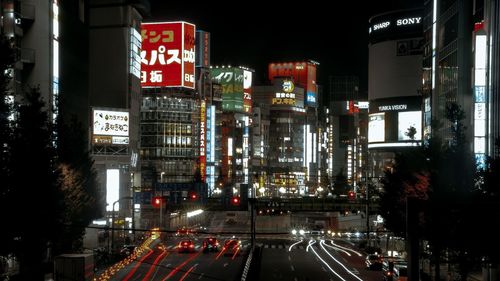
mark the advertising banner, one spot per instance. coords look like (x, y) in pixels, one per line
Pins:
(231, 81)
(168, 54)
(110, 127)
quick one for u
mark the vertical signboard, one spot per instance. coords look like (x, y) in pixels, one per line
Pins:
(188, 55)
(247, 91)
(135, 53)
(311, 85)
(480, 98)
(203, 157)
(202, 49)
(168, 54)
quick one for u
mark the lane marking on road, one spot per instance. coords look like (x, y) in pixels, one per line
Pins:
(289, 258)
(226, 264)
(324, 269)
(201, 275)
(355, 271)
(293, 268)
(341, 264)
(295, 279)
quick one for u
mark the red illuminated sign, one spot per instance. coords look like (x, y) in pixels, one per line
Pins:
(168, 54)
(303, 73)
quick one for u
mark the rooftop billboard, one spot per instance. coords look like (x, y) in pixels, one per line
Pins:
(168, 54)
(236, 86)
(303, 74)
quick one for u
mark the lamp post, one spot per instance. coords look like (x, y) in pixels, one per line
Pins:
(113, 221)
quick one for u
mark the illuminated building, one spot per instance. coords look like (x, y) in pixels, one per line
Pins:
(114, 98)
(460, 37)
(285, 136)
(80, 66)
(176, 91)
(345, 132)
(394, 83)
(234, 122)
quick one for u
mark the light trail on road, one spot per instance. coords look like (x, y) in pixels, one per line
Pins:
(321, 259)
(341, 264)
(348, 249)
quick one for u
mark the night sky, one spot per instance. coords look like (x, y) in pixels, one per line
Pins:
(263, 32)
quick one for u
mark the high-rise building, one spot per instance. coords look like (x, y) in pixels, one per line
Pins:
(81, 56)
(394, 86)
(114, 98)
(35, 32)
(346, 131)
(235, 125)
(460, 36)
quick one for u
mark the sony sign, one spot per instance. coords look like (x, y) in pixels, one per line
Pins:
(408, 21)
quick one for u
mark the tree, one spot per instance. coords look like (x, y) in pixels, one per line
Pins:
(35, 199)
(429, 173)
(325, 181)
(6, 63)
(78, 183)
(411, 133)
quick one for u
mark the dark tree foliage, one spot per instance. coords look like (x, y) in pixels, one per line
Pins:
(35, 201)
(405, 179)
(6, 62)
(325, 181)
(78, 183)
(441, 177)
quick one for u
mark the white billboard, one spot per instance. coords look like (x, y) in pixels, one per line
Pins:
(409, 119)
(110, 127)
(376, 127)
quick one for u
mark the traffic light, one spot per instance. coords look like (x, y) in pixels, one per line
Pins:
(193, 196)
(351, 195)
(235, 201)
(158, 201)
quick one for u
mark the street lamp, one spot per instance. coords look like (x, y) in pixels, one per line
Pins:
(113, 221)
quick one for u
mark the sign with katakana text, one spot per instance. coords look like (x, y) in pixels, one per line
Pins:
(168, 54)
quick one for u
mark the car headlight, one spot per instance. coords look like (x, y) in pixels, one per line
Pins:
(301, 232)
(294, 232)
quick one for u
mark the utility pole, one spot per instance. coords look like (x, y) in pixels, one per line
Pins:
(113, 221)
(367, 212)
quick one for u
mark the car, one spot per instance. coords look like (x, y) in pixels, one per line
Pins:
(317, 233)
(183, 232)
(394, 269)
(127, 250)
(374, 262)
(231, 247)
(186, 245)
(210, 244)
